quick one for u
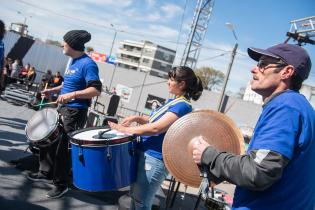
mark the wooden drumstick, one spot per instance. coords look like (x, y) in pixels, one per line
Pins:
(55, 102)
(43, 97)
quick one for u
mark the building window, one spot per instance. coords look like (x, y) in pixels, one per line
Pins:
(167, 57)
(145, 60)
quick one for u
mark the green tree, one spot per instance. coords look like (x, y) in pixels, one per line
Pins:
(210, 77)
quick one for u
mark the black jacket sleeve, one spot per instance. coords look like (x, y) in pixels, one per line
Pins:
(257, 170)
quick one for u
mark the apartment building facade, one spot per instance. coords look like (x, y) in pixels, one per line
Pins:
(145, 56)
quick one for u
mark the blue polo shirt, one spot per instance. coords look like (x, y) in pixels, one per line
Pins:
(286, 126)
(152, 145)
(81, 71)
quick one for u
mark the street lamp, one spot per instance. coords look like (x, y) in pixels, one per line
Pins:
(220, 108)
(110, 54)
(113, 42)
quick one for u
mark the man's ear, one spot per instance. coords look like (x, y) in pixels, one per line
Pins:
(287, 72)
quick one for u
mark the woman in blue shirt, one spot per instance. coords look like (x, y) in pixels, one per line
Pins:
(151, 171)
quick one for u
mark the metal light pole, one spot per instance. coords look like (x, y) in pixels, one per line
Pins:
(110, 54)
(113, 42)
(145, 76)
(219, 107)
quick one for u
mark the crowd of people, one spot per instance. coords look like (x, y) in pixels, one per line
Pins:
(14, 72)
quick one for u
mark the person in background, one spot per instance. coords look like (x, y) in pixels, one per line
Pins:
(185, 85)
(277, 171)
(16, 67)
(2, 32)
(30, 77)
(57, 80)
(81, 83)
(22, 75)
(48, 77)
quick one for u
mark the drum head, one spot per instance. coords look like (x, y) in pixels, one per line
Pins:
(99, 136)
(42, 124)
(218, 130)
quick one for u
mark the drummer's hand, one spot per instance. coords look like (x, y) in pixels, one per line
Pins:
(45, 93)
(198, 148)
(117, 127)
(65, 98)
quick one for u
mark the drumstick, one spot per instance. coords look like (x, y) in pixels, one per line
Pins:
(55, 102)
(43, 97)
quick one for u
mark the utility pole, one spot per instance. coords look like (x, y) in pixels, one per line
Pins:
(219, 108)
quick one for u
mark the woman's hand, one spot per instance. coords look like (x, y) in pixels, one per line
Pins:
(128, 120)
(117, 127)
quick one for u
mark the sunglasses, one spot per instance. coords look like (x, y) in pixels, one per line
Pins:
(263, 64)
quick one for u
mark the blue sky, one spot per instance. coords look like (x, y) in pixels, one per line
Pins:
(256, 23)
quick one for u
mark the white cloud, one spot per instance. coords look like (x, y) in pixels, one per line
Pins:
(150, 3)
(111, 3)
(154, 16)
(171, 10)
(162, 31)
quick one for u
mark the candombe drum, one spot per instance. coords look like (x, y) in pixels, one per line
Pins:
(102, 159)
(44, 128)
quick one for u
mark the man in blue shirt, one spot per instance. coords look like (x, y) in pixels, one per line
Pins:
(81, 83)
(277, 171)
(2, 32)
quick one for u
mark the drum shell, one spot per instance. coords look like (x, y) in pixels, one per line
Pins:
(103, 167)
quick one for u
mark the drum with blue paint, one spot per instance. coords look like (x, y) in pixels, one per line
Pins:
(102, 159)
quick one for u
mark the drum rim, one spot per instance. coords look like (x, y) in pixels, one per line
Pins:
(52, 131)
(100, 143)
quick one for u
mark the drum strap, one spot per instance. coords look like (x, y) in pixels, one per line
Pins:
(166, 106)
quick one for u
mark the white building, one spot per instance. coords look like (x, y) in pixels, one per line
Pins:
(307, 90)
(146, 56)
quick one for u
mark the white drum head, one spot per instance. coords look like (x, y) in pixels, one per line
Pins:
(42, 124)
(91, 135)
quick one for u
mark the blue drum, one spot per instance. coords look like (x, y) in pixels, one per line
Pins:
(102, 159)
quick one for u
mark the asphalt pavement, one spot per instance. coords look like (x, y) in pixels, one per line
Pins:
(17, 192)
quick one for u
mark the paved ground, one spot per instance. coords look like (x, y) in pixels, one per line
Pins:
(16, 192)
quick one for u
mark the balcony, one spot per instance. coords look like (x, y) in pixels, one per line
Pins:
(131, 52)
(128, 61)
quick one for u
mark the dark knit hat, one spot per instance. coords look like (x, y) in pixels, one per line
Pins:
(77, 38)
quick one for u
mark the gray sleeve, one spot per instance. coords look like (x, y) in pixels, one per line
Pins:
(257, 170)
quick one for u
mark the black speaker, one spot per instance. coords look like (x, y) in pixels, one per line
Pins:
(98, 119)
(109, 119)
(113, 105)
(106, 104)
